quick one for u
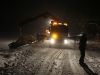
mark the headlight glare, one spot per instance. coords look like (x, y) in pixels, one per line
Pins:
(54, 36)
(65, 41)
(52, 40)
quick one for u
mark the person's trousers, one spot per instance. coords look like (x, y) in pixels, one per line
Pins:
(82, 52)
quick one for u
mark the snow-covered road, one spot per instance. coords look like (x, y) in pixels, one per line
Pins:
(41, 59)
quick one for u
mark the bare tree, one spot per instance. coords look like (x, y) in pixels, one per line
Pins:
(81, 21)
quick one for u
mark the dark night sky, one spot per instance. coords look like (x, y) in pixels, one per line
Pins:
(12, 12)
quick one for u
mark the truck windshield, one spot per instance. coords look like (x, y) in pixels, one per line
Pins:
(59, 29)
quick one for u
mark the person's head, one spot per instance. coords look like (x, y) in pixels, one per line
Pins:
(84, 35)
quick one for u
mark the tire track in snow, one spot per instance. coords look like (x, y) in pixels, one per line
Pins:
(66, 67)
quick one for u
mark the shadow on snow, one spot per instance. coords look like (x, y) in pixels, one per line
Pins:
(87, 69)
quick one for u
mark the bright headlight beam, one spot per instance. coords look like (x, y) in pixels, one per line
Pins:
(65, 41)
(52, 40)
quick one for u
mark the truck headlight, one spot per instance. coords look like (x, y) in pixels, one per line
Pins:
(54, 36)
(65, 41)
(52, 40)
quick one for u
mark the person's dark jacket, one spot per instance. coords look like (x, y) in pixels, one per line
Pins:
(83, 41)
(82, 44)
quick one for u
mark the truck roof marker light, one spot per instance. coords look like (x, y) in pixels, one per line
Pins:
(60, 23)
(65, 24)
(55, 23)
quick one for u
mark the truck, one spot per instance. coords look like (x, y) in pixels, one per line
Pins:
(41, 37)
(58, 33)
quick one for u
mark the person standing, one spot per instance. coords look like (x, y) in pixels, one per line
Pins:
(82, 47)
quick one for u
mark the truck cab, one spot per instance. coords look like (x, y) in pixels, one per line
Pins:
(58, 33)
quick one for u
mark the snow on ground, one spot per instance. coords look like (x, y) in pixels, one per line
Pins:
(4, 44)
(41, 59)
